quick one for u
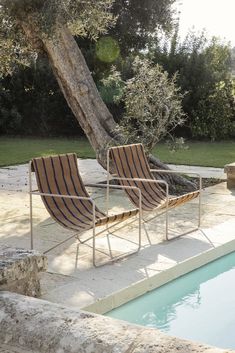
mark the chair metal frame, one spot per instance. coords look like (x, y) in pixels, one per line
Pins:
(93, 227)
(156, 181)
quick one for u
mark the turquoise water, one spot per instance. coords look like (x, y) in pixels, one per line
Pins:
(199, 306)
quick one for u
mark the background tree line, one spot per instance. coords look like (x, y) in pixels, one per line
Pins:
(31, 102)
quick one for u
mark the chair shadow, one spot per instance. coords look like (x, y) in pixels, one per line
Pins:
(72, 273)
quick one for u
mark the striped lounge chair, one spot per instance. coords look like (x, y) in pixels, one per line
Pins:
(132, 169)
(68, 202)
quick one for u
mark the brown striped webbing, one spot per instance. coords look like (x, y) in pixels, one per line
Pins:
(130, 161)
(59, 175)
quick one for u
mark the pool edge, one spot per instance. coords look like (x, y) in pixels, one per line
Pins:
(120, 297)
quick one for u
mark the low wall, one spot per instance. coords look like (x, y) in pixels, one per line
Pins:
(34, 325)
(20, 270)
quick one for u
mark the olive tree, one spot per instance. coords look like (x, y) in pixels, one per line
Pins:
(48, 26)
(153, 105)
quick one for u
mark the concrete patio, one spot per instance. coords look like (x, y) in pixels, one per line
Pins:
(71, 278)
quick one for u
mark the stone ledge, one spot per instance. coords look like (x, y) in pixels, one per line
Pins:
(19, 270)
(9, 349)
(44, 327)
(230, 170)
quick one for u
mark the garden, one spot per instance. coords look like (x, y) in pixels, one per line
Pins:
(115, 204)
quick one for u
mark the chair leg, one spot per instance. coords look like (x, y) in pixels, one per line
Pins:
(146, 233)
(60, 243)
(167, 224)
(113, 258)
(93, 245)
(109, 245)
(31, 220)
(140, 228)
(30, 207)
(199, 210)
(77, 251)
(188, 232)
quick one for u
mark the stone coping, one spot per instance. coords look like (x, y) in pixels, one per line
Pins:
(43, 327)
(137, 289)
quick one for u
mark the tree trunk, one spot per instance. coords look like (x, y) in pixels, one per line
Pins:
(81, 94)
(79, 89)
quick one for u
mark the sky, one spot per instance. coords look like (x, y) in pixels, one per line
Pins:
(216, 16)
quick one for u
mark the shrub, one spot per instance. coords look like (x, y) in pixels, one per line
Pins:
(152, 104)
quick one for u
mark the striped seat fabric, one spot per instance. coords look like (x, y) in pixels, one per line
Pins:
(130, 162)
(59, 175)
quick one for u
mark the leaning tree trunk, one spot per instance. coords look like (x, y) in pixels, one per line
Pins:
(79, 90)
(81, 94)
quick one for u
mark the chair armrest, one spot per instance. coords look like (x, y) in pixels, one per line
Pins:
(105, 186)
(155, 181)
(68, 197)
(61, 196)
(142, 179)
(174, 171)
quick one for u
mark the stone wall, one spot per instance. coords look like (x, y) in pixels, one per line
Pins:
(19, 270)
(29, 325)
(38, 326)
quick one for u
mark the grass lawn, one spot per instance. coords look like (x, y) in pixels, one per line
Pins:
(21, 150)
(207, 154)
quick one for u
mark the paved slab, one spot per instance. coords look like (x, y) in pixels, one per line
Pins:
(15, 178)
(71, 279)
(205, 172)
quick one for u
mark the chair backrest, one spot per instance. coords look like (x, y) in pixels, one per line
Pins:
(130, 161)
(59, 175)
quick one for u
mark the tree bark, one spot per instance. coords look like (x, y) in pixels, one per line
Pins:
(82, 96)
(79, 89)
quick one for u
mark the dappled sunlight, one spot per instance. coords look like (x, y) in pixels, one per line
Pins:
(63, 264)
(73, 280)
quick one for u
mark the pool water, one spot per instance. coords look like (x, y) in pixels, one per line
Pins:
(199, 306)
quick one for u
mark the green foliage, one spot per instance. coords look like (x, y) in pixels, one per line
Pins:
(10, 118)
(31, 104)
(30, 101)
(203, 68)
(218, 112)
(139, 22)
(112, 87)
(152, 105)
(41, 18)
(89, 17)
(14, 49)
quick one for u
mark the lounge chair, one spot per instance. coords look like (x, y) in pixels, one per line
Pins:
(132, 169)
(67, 201)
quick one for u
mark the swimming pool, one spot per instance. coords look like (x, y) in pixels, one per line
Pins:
(199, 306)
